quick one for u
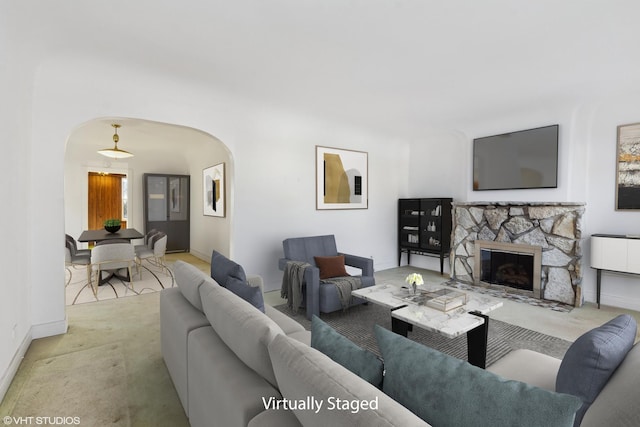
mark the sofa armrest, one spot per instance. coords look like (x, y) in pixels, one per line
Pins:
(282, 262)
(363, 263)
(528, 366)
(312, 283)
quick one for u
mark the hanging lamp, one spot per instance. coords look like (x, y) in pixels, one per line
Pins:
(115, 152)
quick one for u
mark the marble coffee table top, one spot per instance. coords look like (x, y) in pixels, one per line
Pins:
(451, 324)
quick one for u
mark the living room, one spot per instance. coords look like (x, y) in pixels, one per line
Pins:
(579, 75)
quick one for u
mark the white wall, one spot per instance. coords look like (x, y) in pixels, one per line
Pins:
(15, 262)
(437, 168)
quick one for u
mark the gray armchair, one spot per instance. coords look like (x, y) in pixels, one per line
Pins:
(322, 296)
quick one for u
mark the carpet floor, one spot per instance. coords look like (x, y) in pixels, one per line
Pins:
(107, 369)
(357, 324)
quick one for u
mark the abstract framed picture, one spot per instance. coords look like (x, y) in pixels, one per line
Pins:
(628, 167)
(214, 190)
(341, 179)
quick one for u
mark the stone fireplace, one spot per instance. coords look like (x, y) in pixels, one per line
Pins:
(512, 230)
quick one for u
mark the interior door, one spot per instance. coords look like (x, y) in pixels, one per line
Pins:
(105, 198)
(167, 208)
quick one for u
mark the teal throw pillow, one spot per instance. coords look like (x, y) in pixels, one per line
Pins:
(593, 358)
(445, 391)
(251, 294)
(340, 349)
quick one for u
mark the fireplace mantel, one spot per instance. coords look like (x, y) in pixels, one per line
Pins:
(556, 227)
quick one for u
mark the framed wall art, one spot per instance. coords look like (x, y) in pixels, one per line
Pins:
(628, 167)
(214, 190)
(341, 179)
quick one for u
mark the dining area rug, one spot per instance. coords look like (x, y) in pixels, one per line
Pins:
(148, 278)
(357, 324)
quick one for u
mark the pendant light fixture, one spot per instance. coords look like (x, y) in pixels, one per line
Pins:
(115, 152)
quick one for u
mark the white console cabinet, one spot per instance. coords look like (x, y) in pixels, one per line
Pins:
(614, 252)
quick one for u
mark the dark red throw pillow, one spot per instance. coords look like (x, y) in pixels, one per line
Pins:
(331, 266)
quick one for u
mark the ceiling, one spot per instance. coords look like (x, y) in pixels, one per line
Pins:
(140, 137)
(396, 65)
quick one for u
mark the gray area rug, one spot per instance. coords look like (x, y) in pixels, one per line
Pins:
(357, 324)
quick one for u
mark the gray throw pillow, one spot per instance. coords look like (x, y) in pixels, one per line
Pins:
(593, 358)
(340, 349)
(222, 268)
(445, 391)
(251, 294)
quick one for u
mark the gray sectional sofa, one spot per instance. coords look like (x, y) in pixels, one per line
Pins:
(220, 352)
(233, 365)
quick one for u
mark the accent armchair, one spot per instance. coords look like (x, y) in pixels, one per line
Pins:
(322, 296)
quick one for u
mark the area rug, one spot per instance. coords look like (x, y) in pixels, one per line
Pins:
(150, 278)
(357, 324)
(90, 386)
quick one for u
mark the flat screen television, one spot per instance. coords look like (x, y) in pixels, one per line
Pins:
(516, 160)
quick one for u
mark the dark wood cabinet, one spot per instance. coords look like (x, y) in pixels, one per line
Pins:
(167, 207)
(424, 228)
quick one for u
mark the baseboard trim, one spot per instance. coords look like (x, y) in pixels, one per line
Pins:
(200, 255)
(49, 329)
(614, 301)
(12, 369)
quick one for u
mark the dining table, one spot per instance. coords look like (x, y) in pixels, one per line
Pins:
(102, 235)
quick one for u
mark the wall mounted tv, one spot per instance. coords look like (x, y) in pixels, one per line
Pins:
(516, 160)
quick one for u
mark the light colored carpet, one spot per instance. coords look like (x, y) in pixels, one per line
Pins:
(130, 325)
(150, 278)
(86, 387)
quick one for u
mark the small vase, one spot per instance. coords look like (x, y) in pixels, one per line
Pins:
(414, 287)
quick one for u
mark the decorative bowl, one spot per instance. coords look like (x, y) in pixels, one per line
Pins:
(112, 228)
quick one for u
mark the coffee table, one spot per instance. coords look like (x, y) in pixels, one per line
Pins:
(470, 318)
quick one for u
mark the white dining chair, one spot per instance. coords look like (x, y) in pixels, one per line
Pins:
(114, 260)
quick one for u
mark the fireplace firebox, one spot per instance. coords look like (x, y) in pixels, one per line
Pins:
(512, 266)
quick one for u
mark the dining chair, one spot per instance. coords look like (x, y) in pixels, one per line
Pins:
(153, 252)
(75, 259)
(114, 260)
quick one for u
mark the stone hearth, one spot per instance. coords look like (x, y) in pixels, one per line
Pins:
(555, 227)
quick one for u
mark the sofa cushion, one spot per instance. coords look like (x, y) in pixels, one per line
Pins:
(245, 330)
(340, 349)
(331, 266)
(223, 268)
(593, 357)
(287, 324)
(617, 403)
(223, 391)
(189, 279)
(541, 371)
(445, 391)
(304, 372)
(253, 295)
